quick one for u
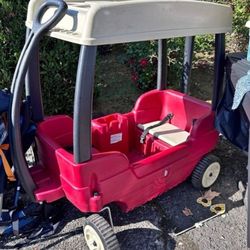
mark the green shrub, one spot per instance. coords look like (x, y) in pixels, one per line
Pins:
(241, 13)
(59, 59)
(12, 35)
(58, 71)
(241, 10)
(144, 75)
(142, 60)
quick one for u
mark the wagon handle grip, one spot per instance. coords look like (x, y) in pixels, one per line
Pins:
(61, 8)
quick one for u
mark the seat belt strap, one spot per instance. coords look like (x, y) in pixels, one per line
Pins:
(6, 164)
(146, 131)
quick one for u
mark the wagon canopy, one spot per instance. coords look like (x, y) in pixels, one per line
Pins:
(109, 22)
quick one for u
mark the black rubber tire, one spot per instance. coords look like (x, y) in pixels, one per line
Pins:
(104, 231)
(200, 169)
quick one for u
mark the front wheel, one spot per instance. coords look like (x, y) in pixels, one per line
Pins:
(206, 172)
(98, 234)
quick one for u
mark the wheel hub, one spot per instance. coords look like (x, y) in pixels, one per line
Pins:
(211, 174)
(92, 238)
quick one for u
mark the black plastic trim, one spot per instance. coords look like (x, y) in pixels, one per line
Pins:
(219, 64)
(187, 63)
(162, 64)
(33, 85)
(83, 104)
(32, 42)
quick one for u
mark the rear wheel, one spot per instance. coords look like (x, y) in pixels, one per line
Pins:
(98, 234)
(206, 172)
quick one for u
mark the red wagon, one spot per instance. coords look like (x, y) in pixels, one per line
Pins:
(127, 159)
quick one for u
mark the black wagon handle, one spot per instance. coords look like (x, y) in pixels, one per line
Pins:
(38, 30)
(61, 8)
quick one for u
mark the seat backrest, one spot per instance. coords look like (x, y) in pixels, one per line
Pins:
(186, 109)
(148, 107)
(155, 105)
(59, 129)
(53, 133)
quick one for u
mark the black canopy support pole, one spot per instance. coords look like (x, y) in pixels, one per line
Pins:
(187, 63)
(219, 63)
(33, 85)
(162, 64)
(83, 104)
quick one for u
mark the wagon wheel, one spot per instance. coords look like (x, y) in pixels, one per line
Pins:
(206, 172)
(98, 234)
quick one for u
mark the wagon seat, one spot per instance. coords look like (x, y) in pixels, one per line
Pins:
(54, 133)
(191, 117)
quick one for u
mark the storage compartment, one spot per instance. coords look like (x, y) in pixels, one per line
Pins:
(151, 146)
(158, 146)
(110, 133)
(144, 148)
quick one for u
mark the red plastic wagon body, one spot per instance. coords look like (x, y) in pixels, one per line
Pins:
(122, 170)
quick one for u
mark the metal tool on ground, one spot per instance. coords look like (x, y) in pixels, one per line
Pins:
(197, 224)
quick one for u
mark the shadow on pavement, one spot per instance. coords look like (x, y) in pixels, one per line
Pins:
(150, 226)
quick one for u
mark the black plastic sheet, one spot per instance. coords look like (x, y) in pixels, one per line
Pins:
(233, 124)
(4, 101)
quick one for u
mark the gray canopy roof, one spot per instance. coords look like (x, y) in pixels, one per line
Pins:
(109, 22)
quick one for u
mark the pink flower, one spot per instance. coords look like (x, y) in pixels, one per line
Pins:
(143, 62)
(131, 61)
(134, 77)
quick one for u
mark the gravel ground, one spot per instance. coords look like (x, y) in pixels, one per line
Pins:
(151, 226)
